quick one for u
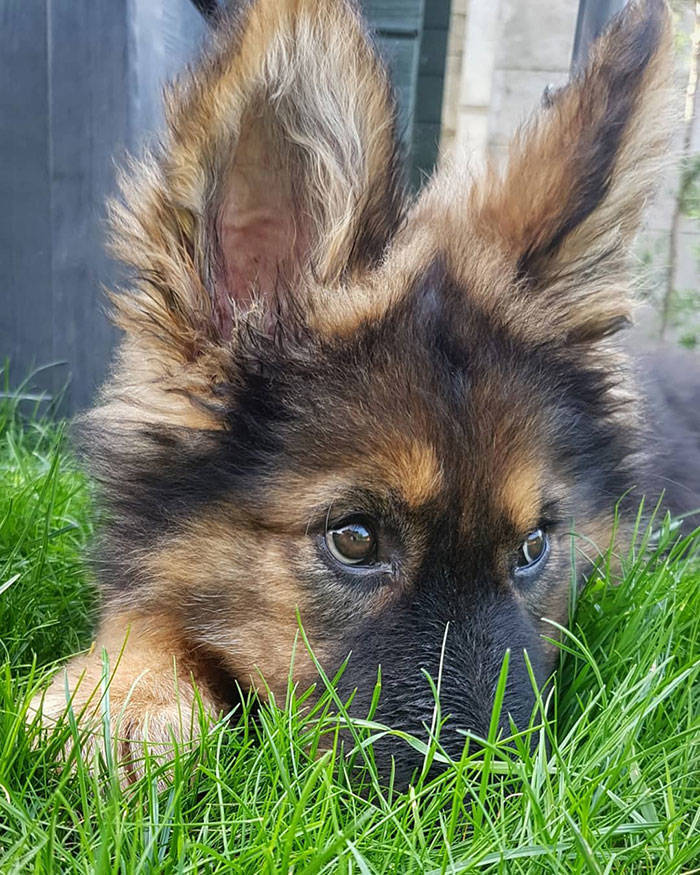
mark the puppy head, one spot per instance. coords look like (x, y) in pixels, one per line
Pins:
(385, 416)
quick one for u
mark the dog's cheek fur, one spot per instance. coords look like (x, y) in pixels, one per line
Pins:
(236, 597)
(237, 602)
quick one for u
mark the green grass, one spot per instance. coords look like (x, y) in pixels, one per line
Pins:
(617, 791)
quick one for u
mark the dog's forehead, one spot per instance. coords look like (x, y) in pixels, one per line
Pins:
(432, 361)
(425, 401)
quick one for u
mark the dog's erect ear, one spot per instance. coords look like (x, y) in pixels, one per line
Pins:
(280, 165)
(571, 196)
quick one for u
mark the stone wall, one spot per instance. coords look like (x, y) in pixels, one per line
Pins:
(502, 54)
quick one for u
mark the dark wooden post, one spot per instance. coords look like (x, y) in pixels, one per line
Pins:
(593, 15)
(80, 84)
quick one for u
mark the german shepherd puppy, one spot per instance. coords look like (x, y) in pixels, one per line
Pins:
(385, 414)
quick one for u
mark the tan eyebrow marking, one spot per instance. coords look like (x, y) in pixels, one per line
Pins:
(521, 494)
(414, 470)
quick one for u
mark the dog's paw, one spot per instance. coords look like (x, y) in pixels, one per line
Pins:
(124, 718)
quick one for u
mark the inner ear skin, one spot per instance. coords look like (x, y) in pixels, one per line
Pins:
(260, 237)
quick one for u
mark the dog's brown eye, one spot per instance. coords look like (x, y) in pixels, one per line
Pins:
(532, 551)
(353, 542)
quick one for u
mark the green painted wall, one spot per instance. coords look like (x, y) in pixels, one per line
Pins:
(412, 34)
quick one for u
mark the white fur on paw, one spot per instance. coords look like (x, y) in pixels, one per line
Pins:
(134, 728)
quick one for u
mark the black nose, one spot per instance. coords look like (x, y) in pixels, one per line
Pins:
(466, 721)
(460, 644)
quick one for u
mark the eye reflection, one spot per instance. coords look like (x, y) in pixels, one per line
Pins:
(532, 551)
(353, 542)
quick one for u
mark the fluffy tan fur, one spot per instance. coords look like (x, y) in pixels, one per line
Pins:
(150, 686)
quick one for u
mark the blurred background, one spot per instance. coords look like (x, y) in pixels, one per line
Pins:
(80, 85)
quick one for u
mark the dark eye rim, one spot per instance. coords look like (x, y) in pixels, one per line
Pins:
(372, 565)
(534, 567)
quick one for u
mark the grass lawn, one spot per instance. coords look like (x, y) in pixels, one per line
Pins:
(616, 790)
